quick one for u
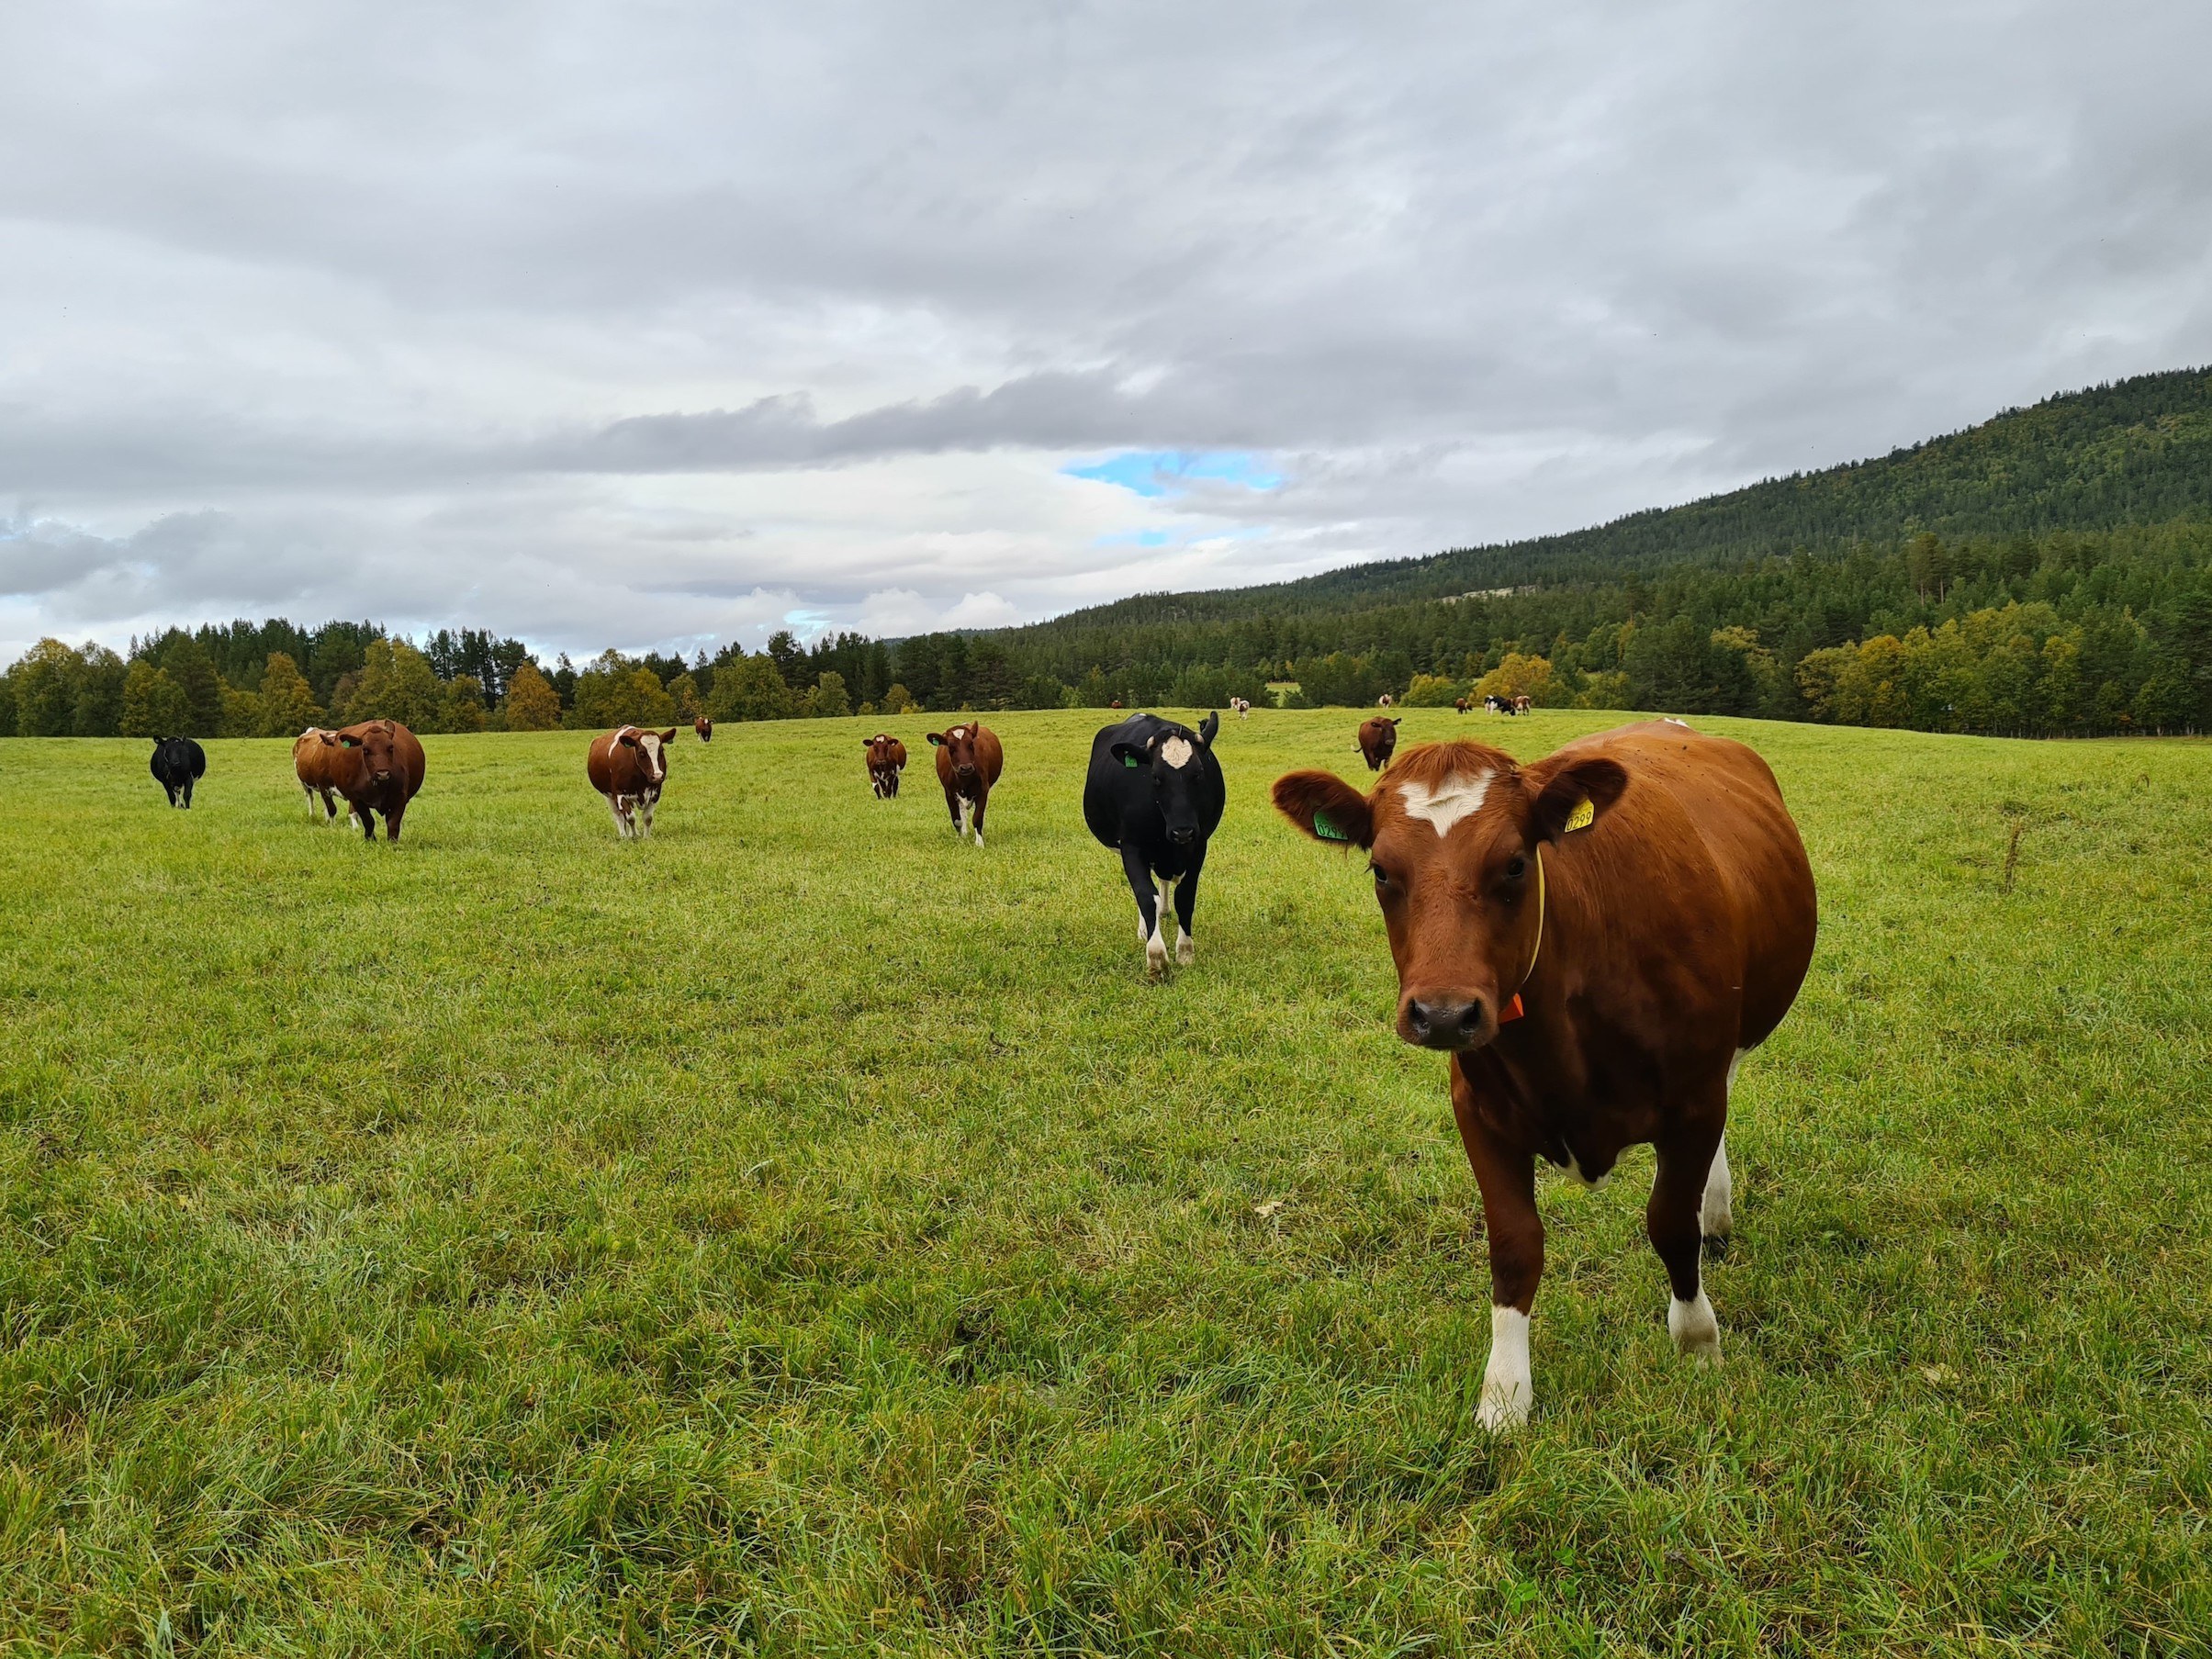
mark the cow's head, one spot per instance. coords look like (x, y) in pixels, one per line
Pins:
(1171, 757)
(376, 745)
(1452, 839)
(959, 743)
(878, 751)
(651, 748)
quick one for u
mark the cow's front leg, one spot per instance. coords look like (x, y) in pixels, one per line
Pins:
(368, 822)
(1507, 1177)
(982, 801)
(1672, 1219)
(1148, 908)
(953, 805)
(1186, 907)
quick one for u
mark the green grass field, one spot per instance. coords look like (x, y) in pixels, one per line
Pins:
(803, 1233)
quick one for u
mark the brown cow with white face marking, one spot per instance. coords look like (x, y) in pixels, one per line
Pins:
(629, 766)
(1596, 940)
(886, 760)
(704, 728)
(969, 761)
(377, 766)
(1378, 742)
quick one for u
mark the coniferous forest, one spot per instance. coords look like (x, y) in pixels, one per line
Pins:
(2047, 573)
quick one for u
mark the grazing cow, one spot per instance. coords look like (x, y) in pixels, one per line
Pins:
(1494, 704)
(1521, 705)
(629, 766)
(178, 762)
(886, 760)
(377, 767)
(705, 728)
(1241, 707)
(1596, 940)
(1153, 794)
(1459, 705)
(969, 760)
(1383, 701)
(1378, 742)
(314, 759)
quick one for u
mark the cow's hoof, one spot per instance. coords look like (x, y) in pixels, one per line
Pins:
(1504, 1407)
(1155, 956)
(1694, 1329)
(1186, 952)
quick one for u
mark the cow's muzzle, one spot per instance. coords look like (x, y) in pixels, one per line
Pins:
(1183, 838)
(1445, 1022)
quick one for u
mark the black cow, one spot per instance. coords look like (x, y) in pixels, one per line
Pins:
(1154, 793)
(177, 762)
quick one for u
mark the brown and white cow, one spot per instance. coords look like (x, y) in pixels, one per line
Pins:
(1459, 704)
(1597, 939)
(1241, 707)
(969, 761)
(314, 752)
(1383, 701)
(377, 766)
(705, 728)
(1378, 742)
(886, 760)
(628, 767)
(1521, 705)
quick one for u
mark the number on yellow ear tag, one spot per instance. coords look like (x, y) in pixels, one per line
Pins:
(1583, 816)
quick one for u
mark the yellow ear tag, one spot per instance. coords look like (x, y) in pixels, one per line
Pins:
(1583, 816)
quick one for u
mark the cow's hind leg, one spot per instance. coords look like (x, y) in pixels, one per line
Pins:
(1507, 1178)
(621, 825)
(1671, 1218)
(1715, 1216)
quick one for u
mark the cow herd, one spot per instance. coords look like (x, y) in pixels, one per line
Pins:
(1596, 940)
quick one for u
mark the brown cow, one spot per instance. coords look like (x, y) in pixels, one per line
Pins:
(629, 766)
(1597, 939)
(377, 766)
(1521, 704)
(705, 728)
(886, 760)
(314, 751)
(969, 760)
(1379, 741)
(1459, 704)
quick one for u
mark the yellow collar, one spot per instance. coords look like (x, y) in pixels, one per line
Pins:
(1513, 1009)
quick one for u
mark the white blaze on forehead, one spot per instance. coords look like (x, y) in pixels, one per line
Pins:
(1176, 752)
(650, 743)
(1446, 804)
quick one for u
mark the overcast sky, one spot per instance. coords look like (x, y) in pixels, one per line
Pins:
(669, 324)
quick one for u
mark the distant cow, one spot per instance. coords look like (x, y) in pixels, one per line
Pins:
(377, 767)
(1596, 940)
(1153, 794)
(1241, 707)
(969, 760)
(178, 762)
(1460, 704)
(1378, 742)
(1521, 705)
(314, 756)
(705, 728)
(886, 760)
(1383, 701)
(1115, 705)
(628, 767)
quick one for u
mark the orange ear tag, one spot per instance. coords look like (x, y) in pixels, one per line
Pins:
(1511, 1011)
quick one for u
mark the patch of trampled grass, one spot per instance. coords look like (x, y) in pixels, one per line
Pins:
(803, 1233)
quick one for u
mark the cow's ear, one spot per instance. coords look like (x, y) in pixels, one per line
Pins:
(668, 735)
(1208, 726)
(937, 739)
(1396, 721)
(1325, 807)
(626, 737)
(1130, 754)
(1577, 796)
(346, 740)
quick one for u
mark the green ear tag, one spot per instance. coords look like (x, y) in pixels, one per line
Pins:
(1130, 761)
(1326, 830)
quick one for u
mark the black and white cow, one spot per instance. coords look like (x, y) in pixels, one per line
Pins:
(1154, 793)
(178, 762)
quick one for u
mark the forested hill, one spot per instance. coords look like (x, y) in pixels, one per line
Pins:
(2138, 452)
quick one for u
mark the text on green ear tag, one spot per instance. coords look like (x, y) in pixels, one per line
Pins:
(1326, 830)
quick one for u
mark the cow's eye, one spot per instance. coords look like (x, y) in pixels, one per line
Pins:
(1382, 876)
(1516, 868)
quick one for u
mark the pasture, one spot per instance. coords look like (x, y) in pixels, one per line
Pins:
(802, 1233)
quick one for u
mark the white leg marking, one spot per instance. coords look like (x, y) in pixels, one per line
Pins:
(1694, 1329)
(1155, 944)
(1507, 1390)
(1713, 1217)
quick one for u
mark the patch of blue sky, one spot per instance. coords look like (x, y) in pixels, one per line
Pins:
(1166, 472)
(1135, 538)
